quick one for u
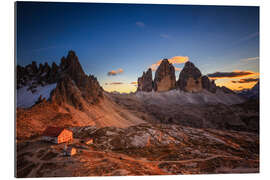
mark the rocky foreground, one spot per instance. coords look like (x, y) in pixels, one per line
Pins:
(142, 150)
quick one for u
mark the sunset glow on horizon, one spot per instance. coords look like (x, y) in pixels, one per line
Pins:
(118, 42)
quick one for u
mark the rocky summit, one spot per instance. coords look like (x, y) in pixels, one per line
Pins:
(164, 77)
(69, 76)
(145, 82)
(88, 85)
(190, 78)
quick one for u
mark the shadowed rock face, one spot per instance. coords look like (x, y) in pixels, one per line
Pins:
(88, 85)
(190, 78)
(226, 90)
(145, 83)
(164, 77)
(209, 85)
(66, 91)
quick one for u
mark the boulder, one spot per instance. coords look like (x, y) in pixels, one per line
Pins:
(145, 82)
(165, 77)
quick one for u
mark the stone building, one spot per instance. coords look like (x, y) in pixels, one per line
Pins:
(57, 135)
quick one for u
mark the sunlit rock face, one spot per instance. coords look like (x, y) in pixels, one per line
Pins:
(145, 82)
(165, 77)
(190, 78)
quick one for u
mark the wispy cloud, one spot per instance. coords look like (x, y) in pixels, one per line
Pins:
(114, 83)
(135, 83)
(250, 59)
(247, 80)
(166, 36)
(234, 74)
(247, 37)
(140, 24)
(115, 72)
(173, 60)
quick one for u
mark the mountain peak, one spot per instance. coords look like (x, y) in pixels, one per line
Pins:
(73, 84)
(164, 76)
(190, 78)
(72, 66)
(145, 82)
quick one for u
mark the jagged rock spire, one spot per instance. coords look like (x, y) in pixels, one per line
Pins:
(145, 82)
(164, 76)
(190, 78)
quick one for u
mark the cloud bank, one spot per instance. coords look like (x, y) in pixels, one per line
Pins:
(234, 74)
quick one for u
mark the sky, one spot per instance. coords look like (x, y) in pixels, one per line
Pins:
(117, 42)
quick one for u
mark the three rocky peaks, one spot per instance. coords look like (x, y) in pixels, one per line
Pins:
(190, 79)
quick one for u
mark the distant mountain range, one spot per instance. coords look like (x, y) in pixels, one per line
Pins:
(253, 93)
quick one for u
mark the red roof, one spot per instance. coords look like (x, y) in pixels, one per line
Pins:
(53, 131)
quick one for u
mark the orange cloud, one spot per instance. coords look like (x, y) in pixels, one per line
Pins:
(177, 69)
(173, 60)
(234, 74)
(135, 82)
(115, 72)
(247, 80)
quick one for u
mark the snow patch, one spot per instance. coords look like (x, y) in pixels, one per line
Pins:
(26, 99)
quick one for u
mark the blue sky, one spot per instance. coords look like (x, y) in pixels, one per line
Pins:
(109, 37)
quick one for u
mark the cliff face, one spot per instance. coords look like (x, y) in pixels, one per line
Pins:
(89, 87)
(208, 84)
(190, 78)
(145, 82)
(164, 77)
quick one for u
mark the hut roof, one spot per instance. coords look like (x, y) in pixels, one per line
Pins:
(53, 131)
